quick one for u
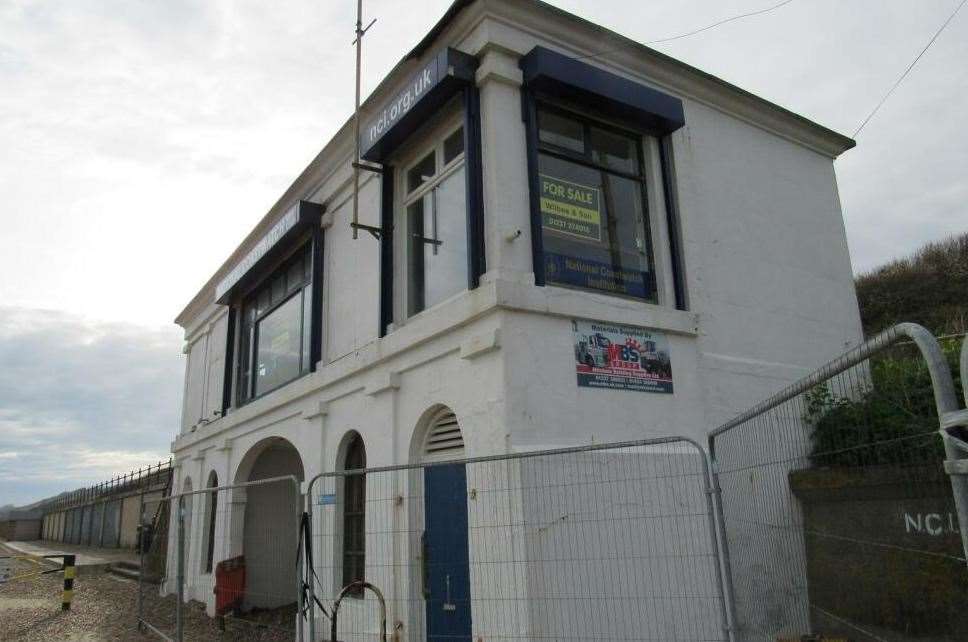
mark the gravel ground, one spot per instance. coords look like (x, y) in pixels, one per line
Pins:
(105, 608)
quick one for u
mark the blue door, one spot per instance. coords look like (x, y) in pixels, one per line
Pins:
(447, 587)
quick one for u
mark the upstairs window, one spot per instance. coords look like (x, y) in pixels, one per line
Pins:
(274, 342)
(594, 218)
(436, 222)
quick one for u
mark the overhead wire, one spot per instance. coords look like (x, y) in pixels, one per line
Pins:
(909, 68)
(749, 14)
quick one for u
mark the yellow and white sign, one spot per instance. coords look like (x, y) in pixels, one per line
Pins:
(570, 208)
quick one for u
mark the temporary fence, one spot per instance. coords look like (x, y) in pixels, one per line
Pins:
(840, 516)
(232, 562)
(611, 542)
(833, 509)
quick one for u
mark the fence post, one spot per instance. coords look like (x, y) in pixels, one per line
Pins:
(310, 572)
(954, 433)
(181, 569)
(300, 602)
(725, 567)
(141, 558)
(69, 572)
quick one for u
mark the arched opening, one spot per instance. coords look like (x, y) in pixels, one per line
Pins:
(211, 514)
(354, 512)
(443, 576)
(269, 522)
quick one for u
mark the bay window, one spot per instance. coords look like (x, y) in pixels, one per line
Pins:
(593, 209)
(275, 323)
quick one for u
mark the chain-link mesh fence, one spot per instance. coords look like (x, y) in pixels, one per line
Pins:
(601, 543)
(839, 516)
(231, 562)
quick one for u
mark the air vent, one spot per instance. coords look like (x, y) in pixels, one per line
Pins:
(444, 436)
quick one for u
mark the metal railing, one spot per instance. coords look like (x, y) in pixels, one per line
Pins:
(603, 542)
(838, 516)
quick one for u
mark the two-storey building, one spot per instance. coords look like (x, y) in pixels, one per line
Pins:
(571, 238)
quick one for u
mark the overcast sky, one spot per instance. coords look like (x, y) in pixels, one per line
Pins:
(141, 140)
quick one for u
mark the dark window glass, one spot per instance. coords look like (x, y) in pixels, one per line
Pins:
(275, 324)
(212, 513)
(561, 131)
(593, 208)
(422, 172)
(454, 146)
(415, 271)
(615, 151)
(354, 515)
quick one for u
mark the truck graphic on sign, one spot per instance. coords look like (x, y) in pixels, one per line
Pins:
(621, 357)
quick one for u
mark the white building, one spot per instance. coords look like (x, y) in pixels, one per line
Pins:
(550, 192)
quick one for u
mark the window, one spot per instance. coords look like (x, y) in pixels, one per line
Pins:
(594, 219)
(354, 514)
(436, 224)
(274, 342)
(212, 512)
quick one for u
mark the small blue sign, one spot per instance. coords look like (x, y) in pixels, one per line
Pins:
(326, 500)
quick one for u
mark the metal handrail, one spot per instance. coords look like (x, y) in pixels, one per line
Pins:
(362, 585)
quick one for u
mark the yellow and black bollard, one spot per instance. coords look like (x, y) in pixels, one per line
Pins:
(69, 571)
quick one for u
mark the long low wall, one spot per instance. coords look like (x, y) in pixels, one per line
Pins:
(20, 530)
(111, 522)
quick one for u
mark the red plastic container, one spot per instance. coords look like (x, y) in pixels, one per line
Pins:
(229, 585)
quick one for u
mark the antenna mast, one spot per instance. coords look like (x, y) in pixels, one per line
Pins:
(360, 32)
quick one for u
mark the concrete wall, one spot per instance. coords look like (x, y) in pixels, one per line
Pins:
(20, 530)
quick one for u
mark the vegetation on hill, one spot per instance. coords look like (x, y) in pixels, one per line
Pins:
(889, 417)
(930, 287)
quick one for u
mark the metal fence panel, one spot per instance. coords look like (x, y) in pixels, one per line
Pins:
(230, 562)
(839, 516)
(112, 524)
(602, 543)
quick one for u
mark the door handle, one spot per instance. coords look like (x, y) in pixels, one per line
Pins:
(448, 605)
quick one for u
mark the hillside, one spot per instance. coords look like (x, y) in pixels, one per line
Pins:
(930, 287)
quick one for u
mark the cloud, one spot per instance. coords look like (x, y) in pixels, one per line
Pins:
(82, 400)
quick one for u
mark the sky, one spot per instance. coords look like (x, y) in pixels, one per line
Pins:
(141, 141)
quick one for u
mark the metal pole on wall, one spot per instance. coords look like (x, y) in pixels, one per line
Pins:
(356, 117)
(179, 625)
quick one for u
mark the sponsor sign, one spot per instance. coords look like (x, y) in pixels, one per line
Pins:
(400, 104)
(621, 357)
(570, 208)
(585, 273)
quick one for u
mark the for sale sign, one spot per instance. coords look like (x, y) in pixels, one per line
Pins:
(571, 208)
(621, 357)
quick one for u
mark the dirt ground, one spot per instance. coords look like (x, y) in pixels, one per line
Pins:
(105, 608)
